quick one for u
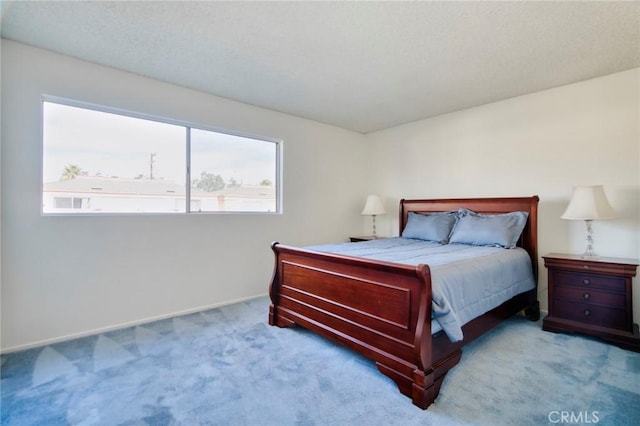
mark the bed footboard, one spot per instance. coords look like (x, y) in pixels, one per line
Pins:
(378, 309)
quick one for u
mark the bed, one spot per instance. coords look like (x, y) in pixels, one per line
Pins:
(383, 310)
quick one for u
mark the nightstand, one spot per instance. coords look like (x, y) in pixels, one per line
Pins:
(592, 296)
(364, 238)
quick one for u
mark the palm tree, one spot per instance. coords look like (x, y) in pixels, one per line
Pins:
(70, 172)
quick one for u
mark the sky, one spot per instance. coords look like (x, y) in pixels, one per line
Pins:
(115, 145)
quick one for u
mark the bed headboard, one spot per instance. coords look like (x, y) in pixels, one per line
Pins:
(528, 239)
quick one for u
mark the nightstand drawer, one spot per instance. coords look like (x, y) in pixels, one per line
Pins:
(590, 296)
(591, 314)
(575, 279)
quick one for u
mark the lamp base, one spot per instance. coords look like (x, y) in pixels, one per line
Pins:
(589, 252)
(374, 225)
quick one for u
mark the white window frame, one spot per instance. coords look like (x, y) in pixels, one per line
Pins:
(188, 126)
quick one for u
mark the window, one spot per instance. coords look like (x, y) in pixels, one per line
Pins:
(67, 203)
(103, 161)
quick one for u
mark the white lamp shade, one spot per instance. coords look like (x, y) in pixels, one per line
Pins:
(373, 206)
(589, 203)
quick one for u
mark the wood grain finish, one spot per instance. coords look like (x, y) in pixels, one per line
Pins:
(383, 310)
(592, 296)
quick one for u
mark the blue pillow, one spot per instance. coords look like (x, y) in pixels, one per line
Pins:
(430, 227)
(497, 230)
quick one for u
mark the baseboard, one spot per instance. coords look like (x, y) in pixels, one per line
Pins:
(123, 325)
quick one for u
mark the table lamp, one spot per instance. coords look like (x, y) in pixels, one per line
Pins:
(373, 207)
(589, 203)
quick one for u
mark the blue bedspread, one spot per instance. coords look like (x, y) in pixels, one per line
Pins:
(467, 281)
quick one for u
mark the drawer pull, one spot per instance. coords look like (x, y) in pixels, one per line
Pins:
(586, 296)
(587, 312)
(585, 266)
(586, 282)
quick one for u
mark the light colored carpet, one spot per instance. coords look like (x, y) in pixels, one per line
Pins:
(227, 366)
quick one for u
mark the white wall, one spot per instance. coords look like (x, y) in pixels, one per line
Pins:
(542, 143)
(67, 276)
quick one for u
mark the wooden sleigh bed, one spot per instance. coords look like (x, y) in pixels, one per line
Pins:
(383, 310)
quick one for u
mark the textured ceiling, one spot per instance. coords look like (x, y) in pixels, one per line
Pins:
(362, 66)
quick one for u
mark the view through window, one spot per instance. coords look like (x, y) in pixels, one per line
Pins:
(105, 162)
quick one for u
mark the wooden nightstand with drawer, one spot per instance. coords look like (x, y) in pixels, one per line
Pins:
(364, 238)
(592, 296)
